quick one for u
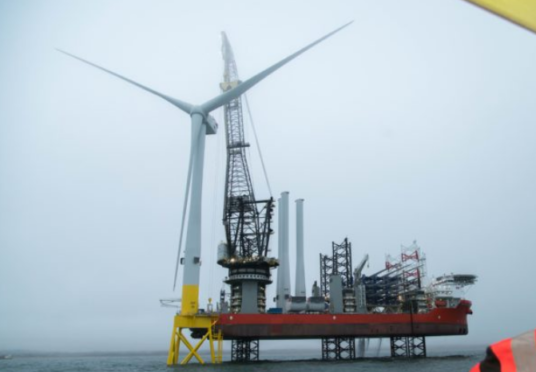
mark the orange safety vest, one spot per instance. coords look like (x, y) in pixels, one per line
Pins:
(517, 354)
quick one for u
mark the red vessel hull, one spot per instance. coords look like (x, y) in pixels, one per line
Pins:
(436, 322)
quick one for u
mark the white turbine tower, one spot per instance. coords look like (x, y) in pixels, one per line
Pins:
(202, 124)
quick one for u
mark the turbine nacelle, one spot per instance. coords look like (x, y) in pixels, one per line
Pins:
(208, 120)
(211, 124)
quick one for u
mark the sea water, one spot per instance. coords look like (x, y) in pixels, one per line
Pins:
(452, 360)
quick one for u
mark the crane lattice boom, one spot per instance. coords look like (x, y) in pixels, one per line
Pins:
(246, 220)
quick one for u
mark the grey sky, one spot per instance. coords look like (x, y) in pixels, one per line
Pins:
(416, 122)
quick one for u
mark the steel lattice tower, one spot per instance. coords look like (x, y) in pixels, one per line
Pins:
(342, 262)
(239, 198)
(246, 220)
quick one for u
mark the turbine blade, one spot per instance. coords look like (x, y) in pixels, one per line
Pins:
(228, 96)
(184, 106)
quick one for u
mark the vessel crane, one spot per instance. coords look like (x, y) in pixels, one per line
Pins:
(359, 269)
(247, 221)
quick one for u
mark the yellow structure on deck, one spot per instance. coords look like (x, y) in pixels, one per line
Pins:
(199, 321)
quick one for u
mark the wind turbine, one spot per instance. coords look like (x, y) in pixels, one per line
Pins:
(202, 124)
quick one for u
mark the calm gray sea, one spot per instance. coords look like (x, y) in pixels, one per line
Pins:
(274, 361)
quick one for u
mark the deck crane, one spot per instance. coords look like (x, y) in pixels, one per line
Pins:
(247, 221)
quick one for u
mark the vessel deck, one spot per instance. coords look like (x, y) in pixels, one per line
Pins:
(436, 322)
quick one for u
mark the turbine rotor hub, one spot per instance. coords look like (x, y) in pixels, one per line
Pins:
(208, 120)
(198, 110)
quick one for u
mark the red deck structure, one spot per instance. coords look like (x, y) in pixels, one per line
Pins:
(436, 322)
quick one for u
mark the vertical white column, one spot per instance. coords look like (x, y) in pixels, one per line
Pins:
(285, 243)
(192, 252)
(280, 298)
(300, 264)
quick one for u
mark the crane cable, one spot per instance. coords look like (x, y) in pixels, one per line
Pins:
(258, 145)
